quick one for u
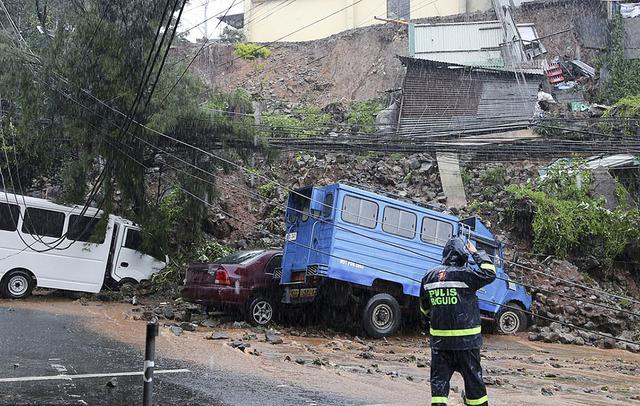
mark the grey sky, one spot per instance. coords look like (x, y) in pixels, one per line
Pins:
(196, 11)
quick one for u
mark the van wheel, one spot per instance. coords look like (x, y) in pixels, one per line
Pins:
(127, 286)
(381, 316)
(17, 284)
(511, 320)
(260, 311)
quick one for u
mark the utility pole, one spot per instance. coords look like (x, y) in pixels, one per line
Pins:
(205, 26)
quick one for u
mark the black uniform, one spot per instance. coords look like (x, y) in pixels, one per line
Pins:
(448, 293)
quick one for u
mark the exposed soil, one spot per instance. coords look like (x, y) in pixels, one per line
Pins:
(393, 371)
(356, 65)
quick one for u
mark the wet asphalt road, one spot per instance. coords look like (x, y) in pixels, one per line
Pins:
(37, 344)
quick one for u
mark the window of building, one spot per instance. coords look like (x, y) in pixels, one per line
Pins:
(359, 211)
(82, 228)
(436, 231)
(133, 240)
(399, 9)
(45, 223)
(399, 222)
(9, 214)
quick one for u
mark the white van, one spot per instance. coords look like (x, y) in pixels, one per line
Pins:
(47, 245)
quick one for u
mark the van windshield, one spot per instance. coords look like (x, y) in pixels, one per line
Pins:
(239, 257)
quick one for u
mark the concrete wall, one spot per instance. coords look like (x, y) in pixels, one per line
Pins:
(271, 20)
(478, 5)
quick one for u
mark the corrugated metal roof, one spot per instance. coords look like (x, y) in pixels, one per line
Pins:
(613, 161)
(445, 98)
(469, 43)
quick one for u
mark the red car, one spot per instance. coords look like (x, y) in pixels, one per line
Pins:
(246, 280)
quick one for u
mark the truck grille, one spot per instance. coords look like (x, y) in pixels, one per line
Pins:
(312, 270)
(277, 274)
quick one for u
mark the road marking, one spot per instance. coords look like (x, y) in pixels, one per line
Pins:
(86, 376)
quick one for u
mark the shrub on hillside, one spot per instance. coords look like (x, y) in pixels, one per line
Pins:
(248, 50)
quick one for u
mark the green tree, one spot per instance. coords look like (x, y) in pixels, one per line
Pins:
(73, 81)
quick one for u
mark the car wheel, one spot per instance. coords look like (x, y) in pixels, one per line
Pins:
(511, 319)
(260, 311)
(381, 316)
(17, 284)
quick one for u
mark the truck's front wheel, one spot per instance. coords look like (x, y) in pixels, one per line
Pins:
(511, 319)
(381, 316)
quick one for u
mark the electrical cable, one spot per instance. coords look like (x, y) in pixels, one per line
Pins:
(377, 222)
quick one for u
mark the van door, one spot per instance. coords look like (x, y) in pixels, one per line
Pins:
(131, 263)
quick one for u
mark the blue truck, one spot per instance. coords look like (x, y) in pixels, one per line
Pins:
(359, 257)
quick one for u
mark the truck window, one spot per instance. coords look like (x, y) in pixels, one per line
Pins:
(133, 240)
(399, 222)
(436, 231)
(360, 211)
(81, 228)
(299, 209)
(45, 223)
(327, 208)
(9, 214)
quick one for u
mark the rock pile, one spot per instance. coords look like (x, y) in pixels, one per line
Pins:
(582, 305)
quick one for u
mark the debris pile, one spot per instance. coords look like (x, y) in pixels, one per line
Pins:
(579, 302)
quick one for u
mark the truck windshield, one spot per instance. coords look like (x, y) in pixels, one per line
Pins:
(239, 257)
(299, 209)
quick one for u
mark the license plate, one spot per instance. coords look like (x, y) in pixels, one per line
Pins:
(303, 293)
(291, 236)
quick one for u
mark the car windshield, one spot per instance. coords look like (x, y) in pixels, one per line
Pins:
(239, 257)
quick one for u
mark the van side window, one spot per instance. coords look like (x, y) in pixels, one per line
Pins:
(436, 231)
(133, 240)
(45, 223)
(81, 228)
(360, 211)
(399, 222)
(327, 207)
(9, 214)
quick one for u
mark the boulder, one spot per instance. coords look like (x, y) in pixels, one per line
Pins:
(186, 326)
(272, 337)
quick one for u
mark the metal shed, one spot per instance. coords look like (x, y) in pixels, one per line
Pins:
(469, 43)
(446, 98)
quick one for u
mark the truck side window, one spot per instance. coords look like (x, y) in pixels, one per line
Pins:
(274, 263)
(327, 207)
(360, 211)
(399, 222)
(45, 223)
(133, 240)
(9, 214)
(436, 231)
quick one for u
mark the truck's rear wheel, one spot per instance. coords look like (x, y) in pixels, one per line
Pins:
(381, 316)
(511, 319)
(16, 284)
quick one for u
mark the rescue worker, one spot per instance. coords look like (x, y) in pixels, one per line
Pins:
(448, 293)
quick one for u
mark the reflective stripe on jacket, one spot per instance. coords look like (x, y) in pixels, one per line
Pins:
(449, 294)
